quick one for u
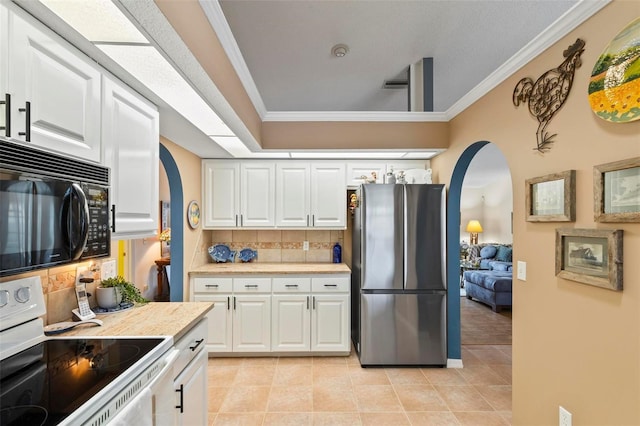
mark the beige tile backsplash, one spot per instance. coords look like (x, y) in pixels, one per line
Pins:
(274, 246)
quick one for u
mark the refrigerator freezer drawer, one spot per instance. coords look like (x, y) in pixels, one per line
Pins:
(403, 329)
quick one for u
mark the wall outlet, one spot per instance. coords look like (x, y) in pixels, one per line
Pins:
(108, 269)
(565, 417)
(522, 270)
(305, 246)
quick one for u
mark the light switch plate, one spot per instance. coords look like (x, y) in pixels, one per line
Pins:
(305, 245)
(108, 269)
(522, 270)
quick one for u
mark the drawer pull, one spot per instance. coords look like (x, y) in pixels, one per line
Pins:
(198, 343)
(331, 285)
(291, 285)
(251, 286)
(211, 285)
(181, 406)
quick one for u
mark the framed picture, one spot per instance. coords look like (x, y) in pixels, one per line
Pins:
(551, 198)
(193, 214)
(616, 188)
(590, 256)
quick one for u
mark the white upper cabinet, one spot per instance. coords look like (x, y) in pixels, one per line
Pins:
(257, 194)
(221, 186)
(328, 195)
(54, 91)
(356, 170)
(131, 144)
(310, 195)
(238, 194)
(293, 199)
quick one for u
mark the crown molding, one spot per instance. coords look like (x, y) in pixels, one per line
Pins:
(399, 116)
(558, 29)
(219, 23)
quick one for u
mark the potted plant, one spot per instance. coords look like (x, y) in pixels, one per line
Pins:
(113, 291)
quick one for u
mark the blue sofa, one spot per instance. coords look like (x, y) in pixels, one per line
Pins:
(491, 284)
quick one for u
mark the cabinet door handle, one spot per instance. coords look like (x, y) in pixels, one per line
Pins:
(241, 221)
(211, 285)
(181, 406)
(251, 286)
(331, 285)
(236, 221)
(291, 285)
(307, 303)
(27, 130)
(228, 303)
(198, 343)
(307, 220)
(7, 115)
(234, 303)
(113, 218)
(314, 302)
(313, 220)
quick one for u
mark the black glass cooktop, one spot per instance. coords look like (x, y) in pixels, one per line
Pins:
(44, 384)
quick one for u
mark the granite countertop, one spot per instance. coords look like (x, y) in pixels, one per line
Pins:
(270, 268)
(153, 319)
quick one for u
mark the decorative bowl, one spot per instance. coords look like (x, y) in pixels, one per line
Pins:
(247, 255)
(221, 253)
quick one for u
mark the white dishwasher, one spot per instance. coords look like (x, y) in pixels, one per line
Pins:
(180, 392)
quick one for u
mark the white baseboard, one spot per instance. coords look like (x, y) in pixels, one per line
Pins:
(454, 363)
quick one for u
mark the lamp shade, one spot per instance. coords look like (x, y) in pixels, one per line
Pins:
(474, 226)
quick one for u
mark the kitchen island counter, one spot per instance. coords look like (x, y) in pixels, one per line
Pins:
(270, 268)
(153, 319)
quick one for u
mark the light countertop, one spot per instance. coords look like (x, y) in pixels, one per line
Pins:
(153, 319)
(270, 268)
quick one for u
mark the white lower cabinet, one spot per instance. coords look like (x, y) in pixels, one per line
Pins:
(252, 323)
(276, 314)
(191, 392)
(330, 323)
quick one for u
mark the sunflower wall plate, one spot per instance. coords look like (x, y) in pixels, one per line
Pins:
(614, 89)
(193, 214)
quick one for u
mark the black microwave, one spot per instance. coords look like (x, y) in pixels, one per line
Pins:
(53, 209)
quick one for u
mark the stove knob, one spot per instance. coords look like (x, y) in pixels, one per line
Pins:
(23, 294)
(4, 298)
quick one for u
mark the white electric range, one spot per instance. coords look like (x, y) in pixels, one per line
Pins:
(46, 380)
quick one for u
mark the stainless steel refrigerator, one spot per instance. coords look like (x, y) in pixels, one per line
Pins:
(399, 286)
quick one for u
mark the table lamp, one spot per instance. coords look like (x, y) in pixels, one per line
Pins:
(474, 228)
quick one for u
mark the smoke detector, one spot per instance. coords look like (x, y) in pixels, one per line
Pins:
(339, 50)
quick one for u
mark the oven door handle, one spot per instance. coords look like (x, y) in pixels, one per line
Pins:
(168, 367)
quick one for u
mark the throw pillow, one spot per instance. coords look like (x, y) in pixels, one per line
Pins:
(498, 266)
(504, 254)
(487, 252)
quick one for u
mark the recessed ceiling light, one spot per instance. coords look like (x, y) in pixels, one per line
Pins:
(339, 50)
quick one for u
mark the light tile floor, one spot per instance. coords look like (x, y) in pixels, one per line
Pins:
(337, 391)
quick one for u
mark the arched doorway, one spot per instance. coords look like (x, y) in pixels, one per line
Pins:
(454, 345)
(177, 224)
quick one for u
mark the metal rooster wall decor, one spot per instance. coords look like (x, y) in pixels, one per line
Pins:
(550, 91)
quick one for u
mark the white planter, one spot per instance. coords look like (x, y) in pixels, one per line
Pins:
(108, 297)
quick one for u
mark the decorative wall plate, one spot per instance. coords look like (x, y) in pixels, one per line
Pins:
(193, 214)
(614, 89)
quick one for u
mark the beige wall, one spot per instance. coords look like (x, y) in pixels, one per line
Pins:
(573, 345)
(189, 166)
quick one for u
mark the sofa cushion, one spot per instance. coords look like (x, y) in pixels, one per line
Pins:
(488, 252)
(498, 281)
(504, 254)
(496, 265)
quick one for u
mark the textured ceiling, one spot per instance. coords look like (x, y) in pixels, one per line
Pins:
(286, 45)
